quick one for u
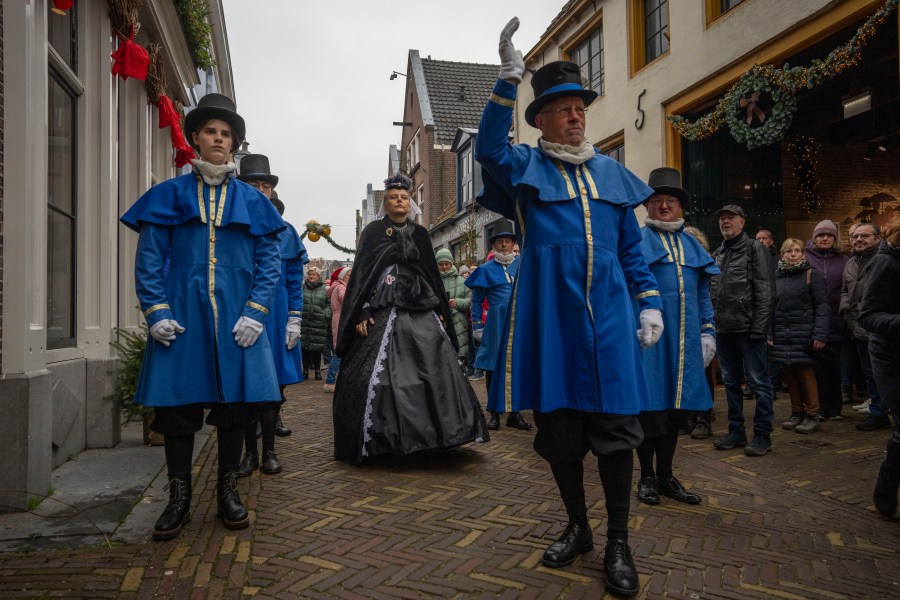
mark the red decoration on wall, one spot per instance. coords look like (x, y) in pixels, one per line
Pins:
(63, 4)
(131, 59)
(168, 117)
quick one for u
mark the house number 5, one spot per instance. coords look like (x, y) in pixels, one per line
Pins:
(639, 122)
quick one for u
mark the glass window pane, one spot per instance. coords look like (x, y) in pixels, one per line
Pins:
(61, 138)
(60, 33)
(60, 280)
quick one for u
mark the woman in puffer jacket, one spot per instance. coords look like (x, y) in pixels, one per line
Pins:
(316, 321)
(799, 329)
(460, 298)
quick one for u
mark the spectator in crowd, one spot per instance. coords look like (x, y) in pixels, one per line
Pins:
(336, 296)
(799, 331)
(460, 298)
(571, 350)
(864, 237)
(682, 269)
(494, 282)
(743, 297)
(823, 254)
(879, 313)
(316, 323)
(764, 237)
(464, 271)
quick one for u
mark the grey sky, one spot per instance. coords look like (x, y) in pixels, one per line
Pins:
(312, 83)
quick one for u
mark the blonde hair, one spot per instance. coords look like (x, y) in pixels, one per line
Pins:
(891, 234)
(790, 243)
(698, 235)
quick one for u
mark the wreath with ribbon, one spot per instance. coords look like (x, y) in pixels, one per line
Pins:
(758, 112)
(315, 231)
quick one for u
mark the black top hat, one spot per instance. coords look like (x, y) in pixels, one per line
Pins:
(216, 106)
(556, 80)
(502, 234)
(255, 167)
(666, 180)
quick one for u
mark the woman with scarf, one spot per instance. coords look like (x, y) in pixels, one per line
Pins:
(395, 393)
(459, 297)
(316, 321)
(799, 330)
(206, 316)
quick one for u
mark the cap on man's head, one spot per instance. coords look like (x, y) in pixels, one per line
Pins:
(826, 226)
(733, 209)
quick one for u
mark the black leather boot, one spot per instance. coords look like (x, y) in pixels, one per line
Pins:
(576, 539)
(305, 374)
(249, 464)
(231, 510)
(177, 512)
(516, 420)
(494, 422)
(885, 494)
(270, 464)
(280, 429)
(621, 576)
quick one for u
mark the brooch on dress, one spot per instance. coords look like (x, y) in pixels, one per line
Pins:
(390, 279)
(389, 231)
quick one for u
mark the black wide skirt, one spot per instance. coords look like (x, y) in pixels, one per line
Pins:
(400, 390)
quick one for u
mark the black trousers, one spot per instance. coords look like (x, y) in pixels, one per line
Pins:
(179, 424)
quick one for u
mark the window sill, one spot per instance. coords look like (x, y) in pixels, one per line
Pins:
(64, 354)
(650, 64)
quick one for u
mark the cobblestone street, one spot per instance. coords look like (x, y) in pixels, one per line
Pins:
(473, 523)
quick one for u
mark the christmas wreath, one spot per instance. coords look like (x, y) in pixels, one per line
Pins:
(758, 112)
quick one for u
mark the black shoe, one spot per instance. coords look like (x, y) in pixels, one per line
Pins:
(701, 431)
(647, 492)
(177, 512)
(305, 375)
(230, 508)
(270, 464)
(249, 464)
(516, 420)
(318, 376)
(576, 539)
(280, 429)
(673, 489)
(759, 445)
(872, 423)
(730, 440)
(621, 576)
(888, 482)
(494, 422)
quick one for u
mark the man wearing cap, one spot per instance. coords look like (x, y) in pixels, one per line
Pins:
(743, 297)
(282, 328)
(823, 255)
(569, 350)
(674, 366)
(494, 281)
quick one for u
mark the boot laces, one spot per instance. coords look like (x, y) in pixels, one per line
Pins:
(177, 489)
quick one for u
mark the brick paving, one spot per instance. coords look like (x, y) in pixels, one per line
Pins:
(473, 523)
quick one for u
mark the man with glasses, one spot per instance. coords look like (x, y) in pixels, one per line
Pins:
(864, 237)
(743, 297)
(569, 350)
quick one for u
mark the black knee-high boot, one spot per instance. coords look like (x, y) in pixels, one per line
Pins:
(230, 507)
(179, 453)
(577, 538)
(615, 474)
(268, 414)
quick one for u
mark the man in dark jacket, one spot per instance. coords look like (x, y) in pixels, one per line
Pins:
(865, 238)
(823, 255)
(743, 297)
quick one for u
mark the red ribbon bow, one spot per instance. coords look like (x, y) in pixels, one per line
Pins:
(169, 118)
(753, 109)
(63, 4)
(131, 59)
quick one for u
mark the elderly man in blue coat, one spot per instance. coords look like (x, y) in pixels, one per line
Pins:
(569, 351)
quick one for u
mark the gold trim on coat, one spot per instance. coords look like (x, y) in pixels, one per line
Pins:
(259, 307)
(502, 101)
(155, 308)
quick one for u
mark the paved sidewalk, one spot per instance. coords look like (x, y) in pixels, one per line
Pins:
(797, 523)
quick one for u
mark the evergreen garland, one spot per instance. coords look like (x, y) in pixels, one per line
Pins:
(197, 31)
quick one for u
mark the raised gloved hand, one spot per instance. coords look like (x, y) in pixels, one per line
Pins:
(246, 331)
(651, 327)
(164, 331)
(292, 332)
(708, 343)
(512, 65)
(477, 333)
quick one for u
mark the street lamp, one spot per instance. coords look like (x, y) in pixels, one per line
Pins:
(395, 73)
(241, 153)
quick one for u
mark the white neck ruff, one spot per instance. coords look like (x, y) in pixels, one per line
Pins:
(672, 226)
(212, 174)
(570, 154)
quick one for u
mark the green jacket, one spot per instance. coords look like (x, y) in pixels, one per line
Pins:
(456, 289)
(316, 317)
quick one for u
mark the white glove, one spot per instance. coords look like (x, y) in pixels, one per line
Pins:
(164, 331)
(512, 65)
(651, 327)
(246, 331)
(477, 333)
(709, 348)
(292, 332)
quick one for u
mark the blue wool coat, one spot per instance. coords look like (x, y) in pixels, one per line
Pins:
(287, 302)
(570, 340)
(222, 243)
(496, 282)
(674, 366)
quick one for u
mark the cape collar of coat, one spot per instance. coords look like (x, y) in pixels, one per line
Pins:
(290, 244)
(491, 274)
(655, 245)
(175, 202)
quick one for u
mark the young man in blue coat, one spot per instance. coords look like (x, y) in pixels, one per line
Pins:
(207, 314)
(569, 349)
(494, 280)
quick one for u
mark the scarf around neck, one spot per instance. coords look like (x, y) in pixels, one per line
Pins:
(786, 269)
(212, 174)
(570, 154)
(671, 226)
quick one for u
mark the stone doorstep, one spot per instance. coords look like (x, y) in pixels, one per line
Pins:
(113, 491)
